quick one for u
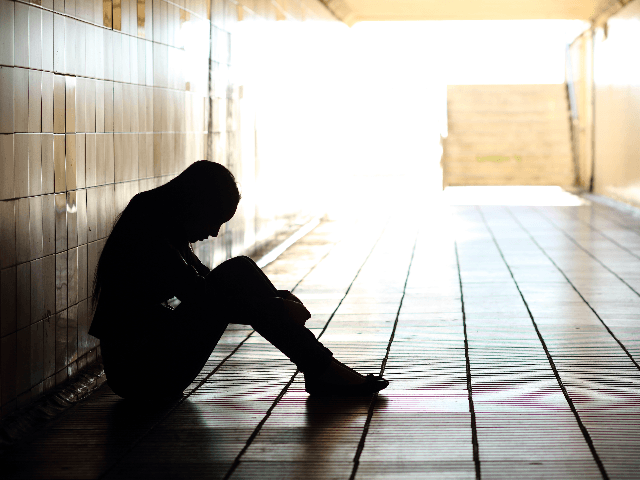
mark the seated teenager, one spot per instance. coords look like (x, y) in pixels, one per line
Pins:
(152, 350)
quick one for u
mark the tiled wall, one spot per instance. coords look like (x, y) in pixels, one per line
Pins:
(617, 107)
(99, 100)
(606, 85)
(579, 76)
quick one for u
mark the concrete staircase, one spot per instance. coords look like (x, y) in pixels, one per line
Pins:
(508, 135)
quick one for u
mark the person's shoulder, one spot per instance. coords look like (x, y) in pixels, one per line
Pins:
(139, 210)
(131, 221)
(136, 202)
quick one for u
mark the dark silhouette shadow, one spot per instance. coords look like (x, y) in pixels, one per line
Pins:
(168, 439)
(147, 263)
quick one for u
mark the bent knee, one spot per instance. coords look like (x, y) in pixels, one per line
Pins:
(236, 267)
(244, 258)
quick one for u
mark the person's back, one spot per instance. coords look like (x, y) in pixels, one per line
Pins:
(141, 267)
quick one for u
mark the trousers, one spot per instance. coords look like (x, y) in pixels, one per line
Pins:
(165, 360)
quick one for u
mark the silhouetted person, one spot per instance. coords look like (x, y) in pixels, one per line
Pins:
(150, 349)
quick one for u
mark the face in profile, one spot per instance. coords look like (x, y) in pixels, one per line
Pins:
(200, 222)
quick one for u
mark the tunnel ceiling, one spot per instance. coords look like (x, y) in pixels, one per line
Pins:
(352, 11)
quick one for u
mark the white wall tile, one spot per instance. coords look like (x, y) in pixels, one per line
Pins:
(35, 37)
(7, 35)
(21, 45)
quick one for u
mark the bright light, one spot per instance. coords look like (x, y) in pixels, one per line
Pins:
(473, 52)
(193, 35)
(512, 195)
(348, 118)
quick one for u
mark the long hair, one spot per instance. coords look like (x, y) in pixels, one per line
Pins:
(202, 183)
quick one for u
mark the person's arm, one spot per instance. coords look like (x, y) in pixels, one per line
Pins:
(169, 272)
(189, 286)
(193, 260)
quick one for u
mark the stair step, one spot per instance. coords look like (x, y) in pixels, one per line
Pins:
(507, 145)
(493, 103)
(466, 180)
(485, 154)
(460, 91)
(508, 135)
(552, 161)
(524, 117)
(510, 127)
(497, 136)
(533, 109)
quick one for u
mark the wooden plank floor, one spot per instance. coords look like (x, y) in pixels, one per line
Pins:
(511, 336)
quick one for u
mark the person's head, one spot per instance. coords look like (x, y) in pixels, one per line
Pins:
(206, 195)
(197, 202)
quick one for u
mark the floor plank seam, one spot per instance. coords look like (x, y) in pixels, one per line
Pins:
(472, 412)
(367, 424)
(587, 252)
(622, 346)
(314, 266)
(256, 431)
(614, 209)
(595, 229)
(583, 428)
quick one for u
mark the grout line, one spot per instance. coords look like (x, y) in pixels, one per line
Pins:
(583, 428)
(595, 229)
(326, 325)
(621, 225)
(121, 82)
(85, 188)
(586, 251)
(472, 410)
(618, 207)
(256, 431)
(202, 382)
(279, 250)
(111, 29)
(575, 288)
(367, 423)
(258, 428)
(314, 267)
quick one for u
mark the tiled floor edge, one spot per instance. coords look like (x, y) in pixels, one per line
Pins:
(22, 423)
(265, 247)
(620, 205)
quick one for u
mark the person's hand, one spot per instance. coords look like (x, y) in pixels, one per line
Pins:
(296, 311)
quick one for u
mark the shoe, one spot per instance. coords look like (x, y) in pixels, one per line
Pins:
(371, 385)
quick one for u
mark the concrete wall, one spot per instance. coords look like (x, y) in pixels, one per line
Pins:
(579, 72)
(100, 100)
(617, 106)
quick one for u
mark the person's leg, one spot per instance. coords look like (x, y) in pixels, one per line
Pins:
(240, 277)
(324, 375)
(170, 357)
